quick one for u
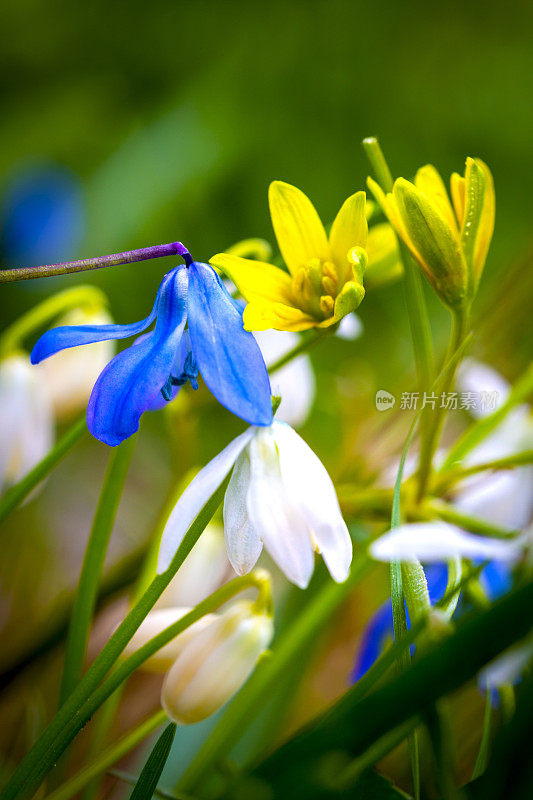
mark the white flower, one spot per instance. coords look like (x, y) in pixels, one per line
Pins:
(295, 382)
(279, 495)
(215, 663)
(204, 570)
(71, 374)
(439, 541)
(27, 427)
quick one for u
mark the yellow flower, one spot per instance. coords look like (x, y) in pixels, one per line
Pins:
(450, 240)
(325, 278)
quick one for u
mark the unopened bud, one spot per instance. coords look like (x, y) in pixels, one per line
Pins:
(215, 663)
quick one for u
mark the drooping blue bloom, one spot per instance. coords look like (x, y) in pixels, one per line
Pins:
(150, 372)
(495, 579)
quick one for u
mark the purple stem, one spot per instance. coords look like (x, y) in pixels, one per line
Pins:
(127, 257)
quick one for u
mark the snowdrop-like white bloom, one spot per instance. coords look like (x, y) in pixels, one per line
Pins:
(27, 428)
(440, 541)
(215, 662)
(279, 495)
(204, 571)
(70, 376)
(295, 382)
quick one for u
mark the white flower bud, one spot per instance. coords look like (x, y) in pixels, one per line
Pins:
(71, 374)
(215, 663)
(156, 622)
(27, 429)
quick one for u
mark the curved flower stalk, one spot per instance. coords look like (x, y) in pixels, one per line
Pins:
(157, 364)
(279, 495)
(210, 661)
(70, 376)
(325, 280)
(27, 429)
(450, 240)
(295, 382)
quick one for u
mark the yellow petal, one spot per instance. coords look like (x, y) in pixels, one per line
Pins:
(457, 187)
(349, 229)
(478, 222)
(390, 209)
(259, 316)
(299, 231)
(429, 182)
(255, 280)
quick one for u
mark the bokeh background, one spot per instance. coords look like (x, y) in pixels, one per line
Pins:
(125, 125)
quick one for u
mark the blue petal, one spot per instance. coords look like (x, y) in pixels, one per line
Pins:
(497, 579)
(378, 632)
(183, 369)
(228, 357)
(437, 578)
(133, 379)
(65, 336)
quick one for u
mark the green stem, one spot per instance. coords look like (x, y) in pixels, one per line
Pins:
(58, 734)
(520, 392)
(110, 755)
(414, 293)
(17, 493)
(447, 479)
(86, 297)
(448, 513)
(436, 420)
(304, 345)
(93, 562)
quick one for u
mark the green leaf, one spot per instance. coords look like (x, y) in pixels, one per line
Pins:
(151, 772)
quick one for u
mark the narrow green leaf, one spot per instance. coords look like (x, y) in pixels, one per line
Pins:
(151, 772)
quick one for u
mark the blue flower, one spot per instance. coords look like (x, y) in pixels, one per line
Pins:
(151, 371)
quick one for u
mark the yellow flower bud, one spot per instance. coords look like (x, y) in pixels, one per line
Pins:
(215, 663)
(450, 240)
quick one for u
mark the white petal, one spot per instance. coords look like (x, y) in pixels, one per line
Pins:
(350, 328)
(505, 498)
(242, 542)
(195, 497)
(438, 541)
(311, 488)
(275, 515)
(295, 382)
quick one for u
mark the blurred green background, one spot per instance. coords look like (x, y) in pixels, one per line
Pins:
(168, 120)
